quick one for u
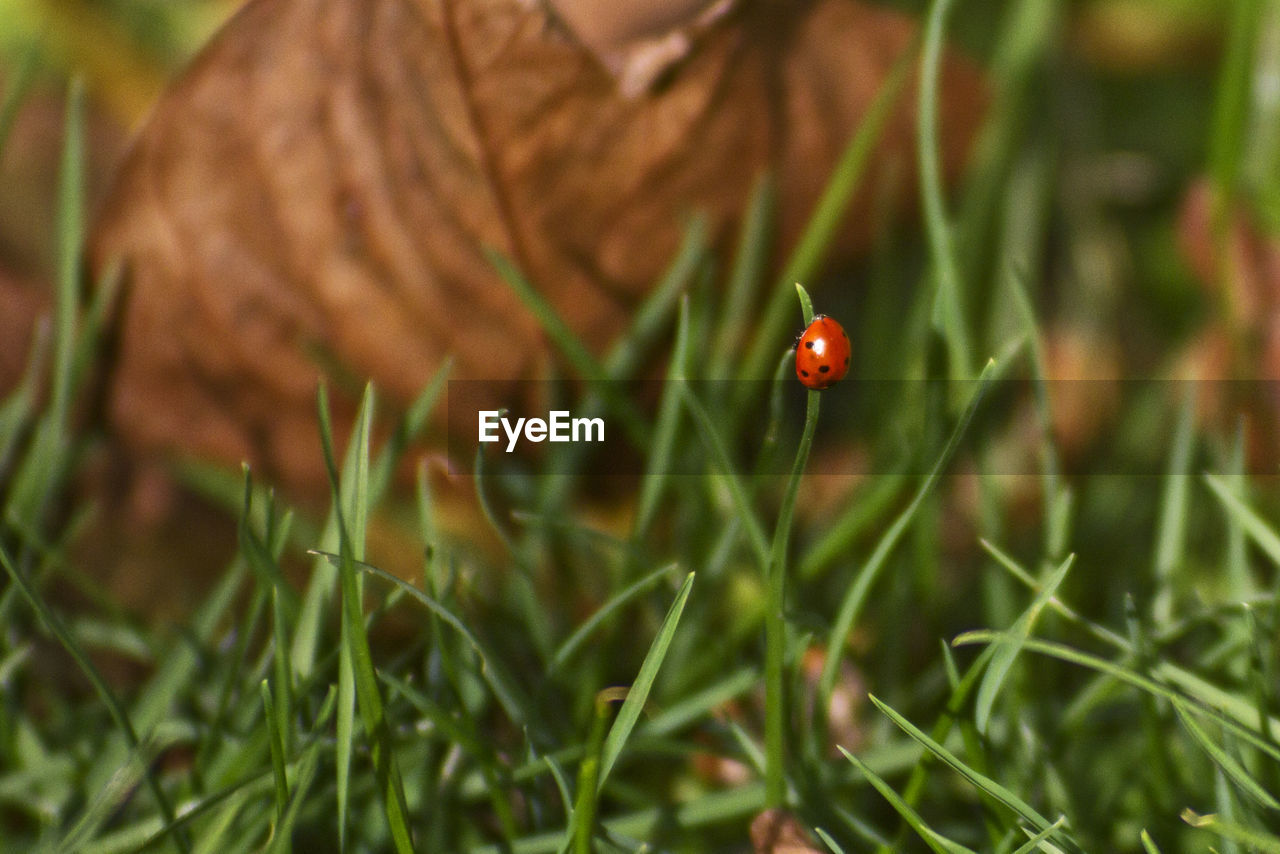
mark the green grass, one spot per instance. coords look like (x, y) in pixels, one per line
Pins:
(939, 655)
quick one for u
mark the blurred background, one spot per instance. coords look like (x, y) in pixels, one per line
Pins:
(1105, 129)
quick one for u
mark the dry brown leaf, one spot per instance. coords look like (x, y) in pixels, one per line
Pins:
(776, 831)
(314, 196)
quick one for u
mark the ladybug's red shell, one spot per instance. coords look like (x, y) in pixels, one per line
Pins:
(822, 353)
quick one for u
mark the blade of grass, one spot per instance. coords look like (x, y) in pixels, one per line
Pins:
(652, 319)
(1227, 763)
(583, 817)
(1231, 109)
(47, 462)
(949, 313)
(1059, 607)
(1047, 448)
(1151, 720)
(256, 553)
(282, 841)
(1033, 844)
(638, 694)
(931, 837)
(1240, 585)
(70, 238)
(855, 597)
(665, 426)
(407, 431)
(745, 278)
(1005, 654)
(649, 323)
(17, 411)
(962, 687)
(826, 840)
(723, 471)
(775, 626)
(982, 782)
(571, 644)
(1149, 844)
(276, 741)
(1262, 534)
(324, 578)
(1174, 504)
(354, 639)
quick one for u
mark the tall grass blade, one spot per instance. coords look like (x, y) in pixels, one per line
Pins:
(70, 238)
(949, 312)
(1257, 528)
(665, 426)
(354, 639)
(936, 841)
(1228, 138)
(1228, 764)
(583, 818)
(276, 742)
(652, 319)
(775, 627)
(624, 597)
(723, 471)
(1006, 653)
(745, 278)
(282, 841)
(1174, 509)
(638, 694)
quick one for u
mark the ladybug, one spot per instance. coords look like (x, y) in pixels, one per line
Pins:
(822, 353)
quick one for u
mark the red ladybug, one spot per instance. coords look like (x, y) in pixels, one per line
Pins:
(822, 353)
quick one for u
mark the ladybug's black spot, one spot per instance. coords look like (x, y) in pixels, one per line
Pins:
(808, 345)
(803, 371)
(822, 369)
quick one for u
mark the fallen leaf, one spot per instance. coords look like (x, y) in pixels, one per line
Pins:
(776, 831)
(314, 197)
